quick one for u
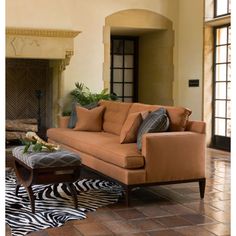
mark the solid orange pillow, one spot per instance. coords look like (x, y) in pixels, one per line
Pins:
(89, 120)
(130, 128)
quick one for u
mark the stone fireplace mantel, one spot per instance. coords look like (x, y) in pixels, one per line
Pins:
(54, 45)
(40, 43)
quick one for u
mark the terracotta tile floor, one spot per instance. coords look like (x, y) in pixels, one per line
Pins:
(173, 210)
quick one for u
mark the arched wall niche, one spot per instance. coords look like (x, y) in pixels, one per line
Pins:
(156, 41)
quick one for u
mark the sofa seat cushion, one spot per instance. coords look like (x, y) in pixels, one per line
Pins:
(103, 145)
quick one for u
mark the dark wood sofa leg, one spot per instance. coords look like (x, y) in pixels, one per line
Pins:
(127, 195)
(202, 185)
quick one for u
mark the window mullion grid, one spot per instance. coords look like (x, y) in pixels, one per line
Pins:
(215, 8)
(112, 67)
(227, 58)
(214, 78)
(123, 72)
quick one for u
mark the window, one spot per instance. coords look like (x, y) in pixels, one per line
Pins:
(222, 7)
(124, 68)
(222, 87)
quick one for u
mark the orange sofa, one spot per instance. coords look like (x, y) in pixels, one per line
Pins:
(175, 156)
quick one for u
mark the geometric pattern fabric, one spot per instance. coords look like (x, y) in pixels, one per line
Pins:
(44, 159)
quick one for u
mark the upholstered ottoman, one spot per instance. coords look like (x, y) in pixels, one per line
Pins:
(46, 167)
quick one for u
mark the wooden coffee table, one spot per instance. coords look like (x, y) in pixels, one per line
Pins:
(46, 168)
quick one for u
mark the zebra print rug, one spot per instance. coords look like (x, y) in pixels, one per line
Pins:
(54, 205)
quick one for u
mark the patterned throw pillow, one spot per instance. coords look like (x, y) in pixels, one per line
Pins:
(156, 121)
(73, 116)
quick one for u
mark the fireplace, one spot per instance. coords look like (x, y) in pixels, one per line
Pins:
(35, 62)
(28, 95)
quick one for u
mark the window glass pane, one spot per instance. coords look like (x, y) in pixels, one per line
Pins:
(221, 7)
(221, 53)
(117, 75)
(229, 6)
(220, 108)
(228, 133)
(129, 47)
(228, 109)
(221, 36)
(128, 75)
(117, 89)
(128, 90)
(117, 47)
(128, 99)
(129, 61)
(118, 61)
(220, 127)
(220, 90)
(221, 72)
(229, 90)
(229, 53)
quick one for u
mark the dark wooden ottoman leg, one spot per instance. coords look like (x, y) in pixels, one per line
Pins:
(25, 177)
(17, 189)
(31, 198)
(73, 192)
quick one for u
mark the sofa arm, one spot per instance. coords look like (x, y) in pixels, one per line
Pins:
(196, 126)
(63, 121)
(173, 156)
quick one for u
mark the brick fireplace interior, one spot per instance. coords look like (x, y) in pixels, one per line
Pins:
(28, 92)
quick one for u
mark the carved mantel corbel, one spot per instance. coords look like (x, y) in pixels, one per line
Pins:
(66, 61)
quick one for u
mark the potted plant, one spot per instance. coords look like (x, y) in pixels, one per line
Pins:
(83, 96)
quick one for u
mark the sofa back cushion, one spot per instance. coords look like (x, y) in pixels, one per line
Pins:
(114, 116)
(178, 116)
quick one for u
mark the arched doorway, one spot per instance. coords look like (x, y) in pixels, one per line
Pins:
(155, 70)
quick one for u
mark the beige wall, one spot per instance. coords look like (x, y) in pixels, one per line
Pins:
(156, 67)
(89, 17)
(190, 55)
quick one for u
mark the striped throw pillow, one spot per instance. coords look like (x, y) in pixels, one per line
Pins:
(156, 121)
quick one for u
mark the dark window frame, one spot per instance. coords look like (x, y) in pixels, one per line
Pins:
(135, 39)
(218, 141)
(215, 9)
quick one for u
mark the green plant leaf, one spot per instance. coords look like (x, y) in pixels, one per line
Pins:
(82, 95)
(38, 147)
(27, 145)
